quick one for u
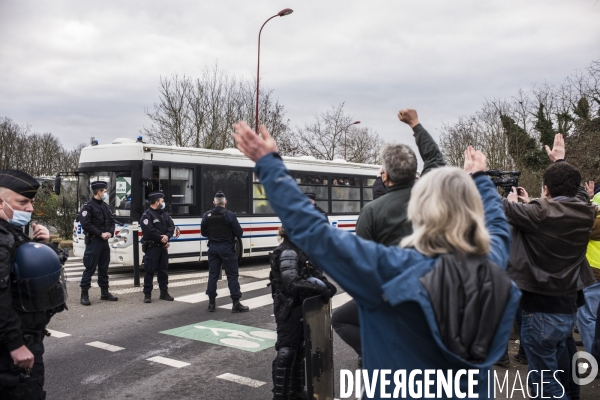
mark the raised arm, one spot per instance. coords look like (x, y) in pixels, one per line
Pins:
(428, 148)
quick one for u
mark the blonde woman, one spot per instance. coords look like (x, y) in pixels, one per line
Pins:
(440, 302)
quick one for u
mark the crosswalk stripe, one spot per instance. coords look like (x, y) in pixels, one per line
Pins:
(105, 346)
(242, 380)
(57, 334)
(259, 274)
(340, 300)
(254, 302)
(200, 297)
(168, 361)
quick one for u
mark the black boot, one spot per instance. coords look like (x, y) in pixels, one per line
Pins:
(297, 390)
(211, 304)
(164, 295)
(85, 298)
(148, 297)
(238, 307)
(282, 373)
(105, 295)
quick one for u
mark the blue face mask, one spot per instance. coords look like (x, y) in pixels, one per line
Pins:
(162, 207)
(20, 218)
(105, 196)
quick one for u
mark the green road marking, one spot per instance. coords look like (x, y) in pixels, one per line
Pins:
(240, 337)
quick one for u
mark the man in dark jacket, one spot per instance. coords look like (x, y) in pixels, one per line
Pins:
(384, 219)
(222, 228)
(157, 229)
(21, 332)
(548, 263)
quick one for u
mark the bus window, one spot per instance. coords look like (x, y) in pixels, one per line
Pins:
(119, 190)
(234, 184)
(317, 184)
(260, 205)
(367, 190)
(345, 194)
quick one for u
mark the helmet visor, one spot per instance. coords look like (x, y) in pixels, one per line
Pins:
(43, 293)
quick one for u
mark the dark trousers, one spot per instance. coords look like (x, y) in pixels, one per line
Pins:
(97, 254)
(223, 253)
(36, 383)
(290, 333)
(156, 260)
(345, 322)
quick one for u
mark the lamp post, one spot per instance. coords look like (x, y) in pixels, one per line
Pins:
(345, 132)
(282, 13)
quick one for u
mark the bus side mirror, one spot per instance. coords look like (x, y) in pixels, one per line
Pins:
(57, 182)
(146, 171)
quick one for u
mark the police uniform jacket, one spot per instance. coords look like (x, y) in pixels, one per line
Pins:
(96, 218)
(220, 225)
(14, 322)
(155, 223)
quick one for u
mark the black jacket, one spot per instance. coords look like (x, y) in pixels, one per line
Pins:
(155, 223)
(96, 218)
(232, 221)
(14, 322)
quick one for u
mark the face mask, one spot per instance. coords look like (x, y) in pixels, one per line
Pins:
(162, 207)
(20, 218)
(105, 196)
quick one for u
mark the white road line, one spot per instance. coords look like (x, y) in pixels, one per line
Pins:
(259, 274)
(168, 361)
(105, 346)
(72, 264)
(200, 297)
(340, 300)
(57, 334)
(254, 302)
(241, 380)
(171, 285)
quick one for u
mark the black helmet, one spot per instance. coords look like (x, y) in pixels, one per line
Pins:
(38, 278)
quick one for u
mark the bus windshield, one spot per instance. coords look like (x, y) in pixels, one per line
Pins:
(119, 191)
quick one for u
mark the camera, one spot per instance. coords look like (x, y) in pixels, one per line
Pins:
(505, 179)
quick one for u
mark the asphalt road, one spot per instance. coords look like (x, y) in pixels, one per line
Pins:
(129, 333)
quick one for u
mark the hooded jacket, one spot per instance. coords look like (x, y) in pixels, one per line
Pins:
(398, 326)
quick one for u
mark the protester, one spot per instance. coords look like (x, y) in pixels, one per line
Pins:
(398, 321)
(548, 263)
(384, 220)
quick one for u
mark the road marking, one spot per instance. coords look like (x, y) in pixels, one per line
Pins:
(105, 346)
(200, 297)
(254, 302)
(340, 300)
(242, 380)
(58, 334)
(73, 264)
(168, 361)
(241, 337)
(258, 274)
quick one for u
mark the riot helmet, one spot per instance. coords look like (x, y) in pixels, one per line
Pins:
(38, 278)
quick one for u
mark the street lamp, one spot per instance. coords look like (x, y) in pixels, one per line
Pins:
(345, 132)
(282, 13)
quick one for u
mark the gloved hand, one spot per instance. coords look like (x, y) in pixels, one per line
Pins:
(331, 287)
(325, 295)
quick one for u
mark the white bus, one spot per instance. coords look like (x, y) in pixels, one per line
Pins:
(190, 177)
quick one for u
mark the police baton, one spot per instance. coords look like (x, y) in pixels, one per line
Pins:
(136, 254)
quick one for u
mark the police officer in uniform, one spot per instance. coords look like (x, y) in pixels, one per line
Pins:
(294, 278)
(157, 229)
(222, 227)
(26, 305)
(98, 225)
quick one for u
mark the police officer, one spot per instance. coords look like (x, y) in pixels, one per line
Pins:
(222, 227)
(98, 225)
(23, 322)
(157, 228)
(293, 278)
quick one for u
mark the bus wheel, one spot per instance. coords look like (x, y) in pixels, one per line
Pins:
(239, 249)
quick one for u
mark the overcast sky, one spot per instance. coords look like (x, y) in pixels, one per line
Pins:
(81, 68)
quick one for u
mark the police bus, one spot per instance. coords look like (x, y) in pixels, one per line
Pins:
(190, 177)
